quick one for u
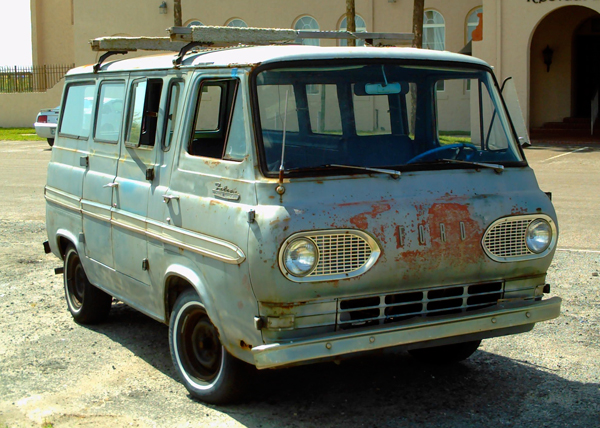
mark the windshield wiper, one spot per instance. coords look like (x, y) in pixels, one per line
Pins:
(393, 173)
(495, 167)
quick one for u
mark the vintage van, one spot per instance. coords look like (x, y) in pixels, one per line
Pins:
(280, 205)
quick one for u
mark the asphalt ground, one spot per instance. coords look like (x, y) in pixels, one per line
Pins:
(55, 373)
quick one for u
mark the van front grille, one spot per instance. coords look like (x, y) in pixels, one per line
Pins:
(339, 254)
(507, 238)
(389, 308)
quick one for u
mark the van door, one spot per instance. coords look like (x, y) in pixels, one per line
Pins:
(211, 189)
(135, 173)
(99, 181)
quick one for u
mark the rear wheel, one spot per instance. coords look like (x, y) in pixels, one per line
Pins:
(87, 304)
(50, 141)
(446, 354)
(207, 370)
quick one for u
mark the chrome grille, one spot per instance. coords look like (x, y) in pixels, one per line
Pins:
(397, 307)
(506, 238)
(343, 254)
(340, 254)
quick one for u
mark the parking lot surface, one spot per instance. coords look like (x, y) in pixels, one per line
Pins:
(58, 373)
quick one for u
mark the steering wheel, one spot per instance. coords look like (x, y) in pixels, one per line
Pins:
(457, 148)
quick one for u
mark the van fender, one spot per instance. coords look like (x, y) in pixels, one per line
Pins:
(69, 236)
(199, 284)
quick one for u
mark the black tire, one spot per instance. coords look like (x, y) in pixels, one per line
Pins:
(87, 304)
(207, 370)
(50, 141)
(446, 354)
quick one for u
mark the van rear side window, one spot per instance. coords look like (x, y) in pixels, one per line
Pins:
(77, 111)
(109, 114)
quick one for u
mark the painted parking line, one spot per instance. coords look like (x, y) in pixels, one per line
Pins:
(573, 250)
(565, 154)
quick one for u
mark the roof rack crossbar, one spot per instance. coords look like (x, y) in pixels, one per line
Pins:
(183, 39)
(103, 58)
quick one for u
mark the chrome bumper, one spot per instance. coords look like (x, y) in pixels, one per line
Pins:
(503, 316)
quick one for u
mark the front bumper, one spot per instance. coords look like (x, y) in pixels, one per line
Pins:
(500, 318)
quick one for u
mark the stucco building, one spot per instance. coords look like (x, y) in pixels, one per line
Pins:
(513, 36)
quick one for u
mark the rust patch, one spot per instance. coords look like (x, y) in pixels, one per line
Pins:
(361, 220)
(517, 210)
(240, 305)
(244, 345)
(455, 251)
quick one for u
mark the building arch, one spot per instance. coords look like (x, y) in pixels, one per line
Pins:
(562, 82)
(471, 22)
(192, 21)
(434, 30)
(236, 22)
(361, 26)
(306, 23)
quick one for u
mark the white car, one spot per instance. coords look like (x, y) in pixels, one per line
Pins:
(45, 124)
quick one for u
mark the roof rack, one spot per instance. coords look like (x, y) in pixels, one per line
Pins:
(183, 39)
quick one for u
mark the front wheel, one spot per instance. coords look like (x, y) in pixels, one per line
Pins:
(446, 354)
(207, 370)
(87, 304)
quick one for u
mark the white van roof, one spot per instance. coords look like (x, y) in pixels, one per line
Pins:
(252, 56)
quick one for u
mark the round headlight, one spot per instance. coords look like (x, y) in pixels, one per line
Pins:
(538, 236)
(300, 257)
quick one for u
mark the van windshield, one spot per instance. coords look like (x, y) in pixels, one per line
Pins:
(401, 116)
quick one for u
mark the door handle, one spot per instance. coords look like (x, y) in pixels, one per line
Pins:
(111, 185)
(169, 198)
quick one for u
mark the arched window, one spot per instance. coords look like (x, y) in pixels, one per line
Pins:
(361, 27)
(472, 23)
(434, 31)
(195, 23)
(307, 23)
(237, 23)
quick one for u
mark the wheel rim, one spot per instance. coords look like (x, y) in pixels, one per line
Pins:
(76, 281)
(199, 347)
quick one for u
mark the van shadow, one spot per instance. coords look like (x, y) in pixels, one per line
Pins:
(386, 389)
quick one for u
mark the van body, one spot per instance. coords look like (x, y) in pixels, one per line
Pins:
(282, 205)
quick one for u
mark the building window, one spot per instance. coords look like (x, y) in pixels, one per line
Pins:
(473, 22)
(239, 23)
(434, 31)
(307, 23)
(361, 27)
(194, 23)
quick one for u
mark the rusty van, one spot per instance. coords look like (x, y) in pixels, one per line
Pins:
(282, 204)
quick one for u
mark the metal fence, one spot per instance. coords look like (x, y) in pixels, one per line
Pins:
(37, 78)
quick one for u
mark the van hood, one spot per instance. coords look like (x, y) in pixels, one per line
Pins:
(428, 225)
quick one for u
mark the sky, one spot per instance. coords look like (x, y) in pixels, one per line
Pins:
(15, 32)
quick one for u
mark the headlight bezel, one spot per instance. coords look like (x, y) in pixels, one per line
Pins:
(324, 270)
(494, 247)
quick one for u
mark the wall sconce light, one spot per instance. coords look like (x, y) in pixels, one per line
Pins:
(162, 9)
(548, 53)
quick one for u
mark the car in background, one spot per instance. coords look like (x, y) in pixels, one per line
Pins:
(45, 124)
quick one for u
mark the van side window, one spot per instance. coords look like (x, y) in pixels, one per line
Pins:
(109, 112)
(172, 112)
(213, 114)
(77, 111)
(143, 112)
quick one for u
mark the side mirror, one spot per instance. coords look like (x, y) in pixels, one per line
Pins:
(509, 93)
